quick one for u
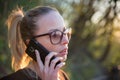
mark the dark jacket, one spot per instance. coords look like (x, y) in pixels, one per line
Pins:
(28, 74)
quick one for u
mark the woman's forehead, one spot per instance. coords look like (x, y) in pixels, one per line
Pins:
(51, 21)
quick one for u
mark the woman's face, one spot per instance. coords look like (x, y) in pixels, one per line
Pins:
(48, 23)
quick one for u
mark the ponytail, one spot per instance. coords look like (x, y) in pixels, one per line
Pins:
(15, 41)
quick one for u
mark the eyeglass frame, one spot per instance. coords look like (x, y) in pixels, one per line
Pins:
(61, 37)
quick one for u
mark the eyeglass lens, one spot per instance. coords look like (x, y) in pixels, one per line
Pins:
(57, 36)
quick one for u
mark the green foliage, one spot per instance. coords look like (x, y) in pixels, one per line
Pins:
(94, 45)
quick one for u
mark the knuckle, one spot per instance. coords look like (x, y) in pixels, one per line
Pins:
(47, 58)
(57, 66)
(53, 53)
(53, 61)
(50, 55)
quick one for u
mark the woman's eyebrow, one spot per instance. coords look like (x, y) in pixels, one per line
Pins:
(53, 30)
(57, 29)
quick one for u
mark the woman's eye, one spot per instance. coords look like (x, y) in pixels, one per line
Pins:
(56, 35)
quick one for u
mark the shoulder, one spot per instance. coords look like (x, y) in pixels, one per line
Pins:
(63, 75)
(22, 74)
(13, 76)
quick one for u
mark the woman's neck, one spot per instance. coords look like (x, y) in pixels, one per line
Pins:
(34, 67)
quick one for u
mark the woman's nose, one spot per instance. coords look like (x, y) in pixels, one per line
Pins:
(65, 39)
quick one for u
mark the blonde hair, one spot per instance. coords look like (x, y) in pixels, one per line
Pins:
(20, 28)
(15, 41)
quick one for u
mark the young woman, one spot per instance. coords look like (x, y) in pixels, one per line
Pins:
(46, 26)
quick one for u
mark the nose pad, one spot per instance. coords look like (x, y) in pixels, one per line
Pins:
(65, 39)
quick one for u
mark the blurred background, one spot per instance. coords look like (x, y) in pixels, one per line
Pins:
(94, 50)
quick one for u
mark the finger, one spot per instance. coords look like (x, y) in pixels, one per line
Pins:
(48, 58)
(54, 62)
(59, 66)
(39, 61)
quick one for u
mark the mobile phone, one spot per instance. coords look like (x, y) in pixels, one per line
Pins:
(35, 45)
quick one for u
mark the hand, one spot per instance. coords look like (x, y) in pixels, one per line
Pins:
(49, 71)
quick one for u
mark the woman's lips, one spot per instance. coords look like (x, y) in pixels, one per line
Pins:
(63, 52)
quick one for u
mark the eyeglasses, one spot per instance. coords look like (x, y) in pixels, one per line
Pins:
(56, 36)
